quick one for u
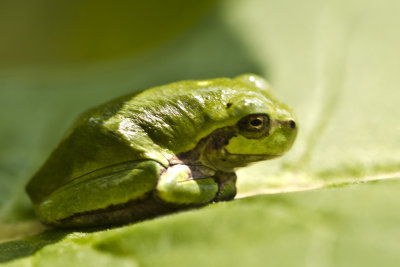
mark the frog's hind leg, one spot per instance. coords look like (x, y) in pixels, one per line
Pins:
(112, 195)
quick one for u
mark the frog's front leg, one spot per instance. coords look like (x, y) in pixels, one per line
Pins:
(187, 185)
(227, 186)
(195, 185)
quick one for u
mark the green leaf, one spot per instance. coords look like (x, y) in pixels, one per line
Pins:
(336, 62)
(350, 226)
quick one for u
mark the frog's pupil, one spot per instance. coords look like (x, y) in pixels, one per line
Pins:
(256, 122)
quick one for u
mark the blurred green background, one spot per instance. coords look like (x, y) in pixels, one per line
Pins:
(335, 62)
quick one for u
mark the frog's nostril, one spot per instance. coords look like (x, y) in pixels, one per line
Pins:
(291, 124)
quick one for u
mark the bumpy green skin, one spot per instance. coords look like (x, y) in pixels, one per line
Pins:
(167, 148)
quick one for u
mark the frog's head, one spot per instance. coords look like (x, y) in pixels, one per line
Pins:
(260, 127)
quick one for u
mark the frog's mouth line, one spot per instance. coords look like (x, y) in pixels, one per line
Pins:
(229, 161)
(251, 157)
(256, 155)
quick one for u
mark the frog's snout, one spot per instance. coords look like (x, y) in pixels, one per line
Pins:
(291, 124)
(287, 132)
(288, 124)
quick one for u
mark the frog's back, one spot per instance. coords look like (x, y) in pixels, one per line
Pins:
(178, 115)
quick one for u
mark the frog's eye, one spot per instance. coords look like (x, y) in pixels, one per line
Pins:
(254, 126)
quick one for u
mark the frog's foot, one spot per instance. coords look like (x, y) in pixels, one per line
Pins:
(227, 186)
(187, 185)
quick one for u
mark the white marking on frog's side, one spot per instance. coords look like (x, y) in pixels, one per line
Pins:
(203, 83)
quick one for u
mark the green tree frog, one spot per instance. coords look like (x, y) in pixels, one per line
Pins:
(167, 148)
